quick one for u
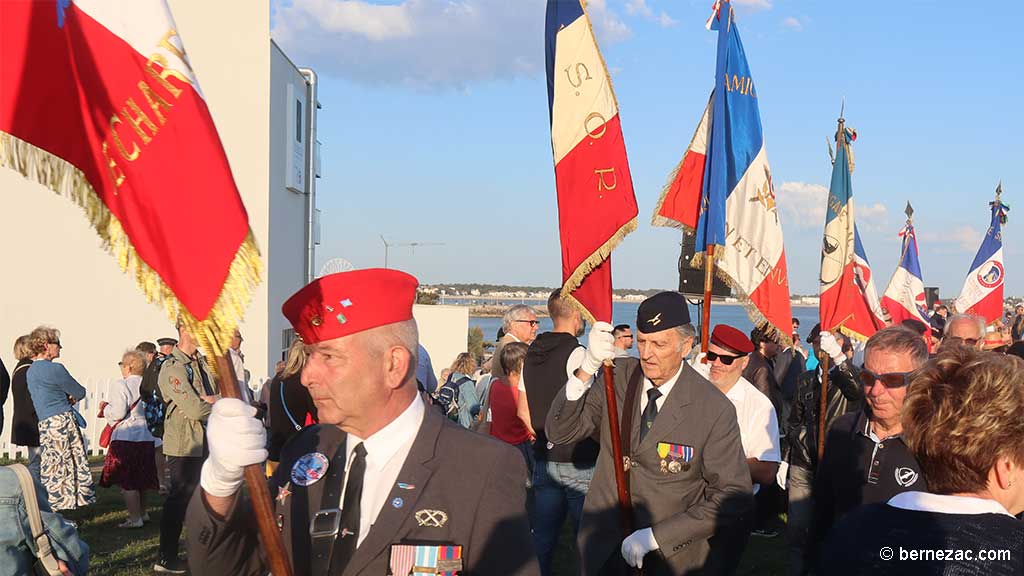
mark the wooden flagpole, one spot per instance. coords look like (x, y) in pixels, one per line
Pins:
(709, 278)
(621, 482)
(256, 481)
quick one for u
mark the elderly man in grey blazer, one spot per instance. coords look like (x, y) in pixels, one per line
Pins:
(690, 486)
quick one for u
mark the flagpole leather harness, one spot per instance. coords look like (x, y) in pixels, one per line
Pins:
(330, 554)
(626, 429)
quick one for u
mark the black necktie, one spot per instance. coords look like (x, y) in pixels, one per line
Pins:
(650, 412)
(348, 535)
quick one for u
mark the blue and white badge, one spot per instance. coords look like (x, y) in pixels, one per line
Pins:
(309, 469)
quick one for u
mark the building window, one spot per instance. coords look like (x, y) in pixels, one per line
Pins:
(298, 121)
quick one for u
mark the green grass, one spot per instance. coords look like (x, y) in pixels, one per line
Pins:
(132, 552)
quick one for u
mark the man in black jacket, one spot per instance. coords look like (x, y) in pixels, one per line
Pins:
(865, 459)
(562, 474)
(5, 388)
(800, 449)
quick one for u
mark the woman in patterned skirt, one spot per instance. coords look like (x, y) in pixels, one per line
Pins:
(64, 468)
(130, 461)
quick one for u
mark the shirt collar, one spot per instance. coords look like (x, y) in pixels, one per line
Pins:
(665, 388)
(946, 504)
(383, 444)
(739, 390)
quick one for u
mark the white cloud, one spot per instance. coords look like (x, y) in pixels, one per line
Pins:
(872, 217)
(792, 23)
(426, 43)
(754, 4)
(801, 205)
(957, 240)
(640, 8)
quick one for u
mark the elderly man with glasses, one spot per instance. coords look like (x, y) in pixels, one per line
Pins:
(964, 330)
(866, 460)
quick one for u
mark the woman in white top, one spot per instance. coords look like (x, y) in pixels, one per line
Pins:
(129, 462)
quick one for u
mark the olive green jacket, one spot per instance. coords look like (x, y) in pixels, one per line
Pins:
(186, 414)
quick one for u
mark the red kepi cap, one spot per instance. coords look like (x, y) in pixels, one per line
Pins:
(349, 302)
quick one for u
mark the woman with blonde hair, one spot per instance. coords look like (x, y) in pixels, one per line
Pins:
(962, 420)
(290, 407)
(64, 467)
(457, 397)
(130, 460)
(24, 423)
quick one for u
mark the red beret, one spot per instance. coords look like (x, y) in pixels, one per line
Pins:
(345, 303)
(728, 337)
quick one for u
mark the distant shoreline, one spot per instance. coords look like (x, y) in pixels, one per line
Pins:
(497, 311)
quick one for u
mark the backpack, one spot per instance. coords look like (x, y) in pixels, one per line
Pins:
(447, 397)
(153, 399)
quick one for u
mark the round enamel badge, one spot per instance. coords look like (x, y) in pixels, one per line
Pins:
(309, 469)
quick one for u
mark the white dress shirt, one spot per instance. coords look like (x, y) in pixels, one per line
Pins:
(386, 451)
(759, 426)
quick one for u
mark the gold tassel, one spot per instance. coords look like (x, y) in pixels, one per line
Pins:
(213, 334)
(593, 261)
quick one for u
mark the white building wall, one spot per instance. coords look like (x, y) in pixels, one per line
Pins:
(444, 332)
(55, 271)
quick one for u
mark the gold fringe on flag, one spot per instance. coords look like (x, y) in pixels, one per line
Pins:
(214, 333)
(593, 261)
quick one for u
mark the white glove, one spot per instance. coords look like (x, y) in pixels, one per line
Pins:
(236, 439)
(637, 546)
(829, 345)
(600, 347)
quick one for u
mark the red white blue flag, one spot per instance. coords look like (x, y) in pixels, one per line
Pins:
(904, 297)
(98, 103)
(982, 294)
(845, 274)
(722, 188)
(596, 205)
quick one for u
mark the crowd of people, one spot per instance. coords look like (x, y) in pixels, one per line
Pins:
(371, 461)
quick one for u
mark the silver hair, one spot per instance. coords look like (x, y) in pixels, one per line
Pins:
(686, 331)
(517, 312)
(135, 360)
(404, 334)
(899, 339)
(977, 320)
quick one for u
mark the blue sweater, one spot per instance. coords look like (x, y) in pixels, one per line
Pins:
(50, 384)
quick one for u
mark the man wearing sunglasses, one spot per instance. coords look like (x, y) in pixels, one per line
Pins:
(865, 459)
(964, 330)
(681, 450)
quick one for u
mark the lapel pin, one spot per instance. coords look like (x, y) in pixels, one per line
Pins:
(397, 502)
(431, 518)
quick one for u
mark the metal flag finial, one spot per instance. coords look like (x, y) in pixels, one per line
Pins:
(842, 109)
(999, 189)
(909, 212)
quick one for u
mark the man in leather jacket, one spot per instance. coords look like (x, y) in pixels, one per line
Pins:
(800, 448)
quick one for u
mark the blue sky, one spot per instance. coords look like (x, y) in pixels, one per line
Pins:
(435, 127)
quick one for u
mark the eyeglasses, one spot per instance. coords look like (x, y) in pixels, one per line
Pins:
(724, 358)
(530, 322)
(889, 380)
(625, 335)
(57, 343)
(120, 363)
(959, 340)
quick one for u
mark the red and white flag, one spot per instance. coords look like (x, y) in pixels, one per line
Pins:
(596, 205)
(98, 102)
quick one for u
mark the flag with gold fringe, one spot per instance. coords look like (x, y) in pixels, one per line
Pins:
(98, 103)
(596, 205)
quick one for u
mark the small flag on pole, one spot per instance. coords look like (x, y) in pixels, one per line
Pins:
(845, 275)
(982, 294)
(904, 297)
(596, 205)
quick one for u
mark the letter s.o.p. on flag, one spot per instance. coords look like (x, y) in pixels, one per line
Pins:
(98, 102)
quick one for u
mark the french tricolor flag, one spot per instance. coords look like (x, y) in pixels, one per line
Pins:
(722, 188)
(982, 294)
(596, 205)
(904, 297)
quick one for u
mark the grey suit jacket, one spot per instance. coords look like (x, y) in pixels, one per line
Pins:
(685, 509)
(477, 481)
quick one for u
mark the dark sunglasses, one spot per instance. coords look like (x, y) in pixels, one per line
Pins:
(959, 340)
(890, 380)
(530, 322)
(725, 358)
(57, 343)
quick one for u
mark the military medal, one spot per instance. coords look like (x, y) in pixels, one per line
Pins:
(674, 467)
(309, 469)
(283, 494)
(675, 458)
